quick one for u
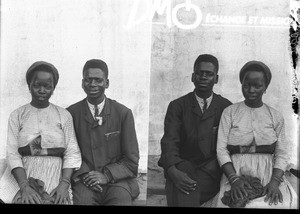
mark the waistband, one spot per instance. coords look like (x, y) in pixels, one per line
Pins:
(27, 151)
(267, 149)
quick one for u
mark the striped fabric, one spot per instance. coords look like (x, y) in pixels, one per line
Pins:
(260, 166)
(241, 125)
(46, 168)
(55, 126)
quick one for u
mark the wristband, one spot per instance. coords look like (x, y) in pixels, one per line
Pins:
(232, 178)
(66, 181)
(108, 175)
(23, 184)
(232, 182)
(277, 179)
(231, 175)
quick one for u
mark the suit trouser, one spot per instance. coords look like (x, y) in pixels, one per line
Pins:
(206, 188)
(111, 195)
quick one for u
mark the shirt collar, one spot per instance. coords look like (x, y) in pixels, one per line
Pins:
(99, 106)
(201, 100)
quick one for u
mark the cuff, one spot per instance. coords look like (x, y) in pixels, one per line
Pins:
(222, 159)
(171, 160)
(108, 175)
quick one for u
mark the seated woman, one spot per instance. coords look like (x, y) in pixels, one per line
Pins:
(42, 150)
(252, 149)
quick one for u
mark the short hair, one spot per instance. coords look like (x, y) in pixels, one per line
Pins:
(42, 66)
(206, 58)
(96, 63)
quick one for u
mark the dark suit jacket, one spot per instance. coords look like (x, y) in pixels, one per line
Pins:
(113, 145)
(191, 135)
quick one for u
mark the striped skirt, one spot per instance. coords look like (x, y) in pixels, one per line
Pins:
(260, 166)
(46, 168)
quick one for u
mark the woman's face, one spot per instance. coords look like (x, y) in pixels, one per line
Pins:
(253, 87)
(41, 87)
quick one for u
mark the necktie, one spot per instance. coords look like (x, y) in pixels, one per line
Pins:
(96, 112)
(205, 105)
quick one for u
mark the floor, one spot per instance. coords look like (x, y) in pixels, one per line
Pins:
(142, 181)
(141, 199)
(152, 184)
(155, 190)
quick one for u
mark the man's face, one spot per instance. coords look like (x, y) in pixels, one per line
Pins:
(94, 83)
(204, 77)
(41, 87)
(253, 86)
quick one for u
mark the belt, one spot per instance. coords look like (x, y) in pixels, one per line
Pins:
(267, 149)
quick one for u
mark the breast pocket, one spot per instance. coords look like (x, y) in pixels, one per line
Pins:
(113, 140)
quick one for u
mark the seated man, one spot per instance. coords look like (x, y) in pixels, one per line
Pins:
(107, 139)
(188, 145)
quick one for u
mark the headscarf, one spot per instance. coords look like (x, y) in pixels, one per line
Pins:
(264, 68)
(44, 66)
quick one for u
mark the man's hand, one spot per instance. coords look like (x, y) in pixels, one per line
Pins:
(181, 180)
(94, 180)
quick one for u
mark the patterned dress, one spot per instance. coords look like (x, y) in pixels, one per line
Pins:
(54, 125)
(248, 128)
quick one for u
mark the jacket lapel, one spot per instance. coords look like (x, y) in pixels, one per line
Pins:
(87, 113)
(195, 105)
(211, 108)
(105, 113)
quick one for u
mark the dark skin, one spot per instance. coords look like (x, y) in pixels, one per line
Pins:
(41, 89)
(94, 83)
(253, 88)
(204, 78)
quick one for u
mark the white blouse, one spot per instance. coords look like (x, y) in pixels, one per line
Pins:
(242, 125)
(54, 124)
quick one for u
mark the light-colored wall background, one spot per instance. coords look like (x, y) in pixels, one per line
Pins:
(147, 61)
(174, 51)
(67, 33)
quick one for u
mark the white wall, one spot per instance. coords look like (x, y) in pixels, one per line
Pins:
(67, 33)
(174, 51)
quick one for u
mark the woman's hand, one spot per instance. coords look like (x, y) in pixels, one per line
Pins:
(238, 190)
(61, 193)
(273, 193)
(30, 196)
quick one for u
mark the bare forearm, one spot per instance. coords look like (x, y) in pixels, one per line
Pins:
(19, 174)
(277, 172)
(277, 175)
(228, 169)
(67, 173)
